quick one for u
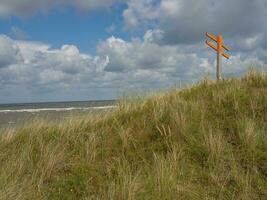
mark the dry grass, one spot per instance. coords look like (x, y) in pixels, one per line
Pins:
(205, 142)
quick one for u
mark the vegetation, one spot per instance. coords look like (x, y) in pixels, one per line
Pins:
(204, 142)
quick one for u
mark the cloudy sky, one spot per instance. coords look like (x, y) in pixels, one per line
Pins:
(97, 49)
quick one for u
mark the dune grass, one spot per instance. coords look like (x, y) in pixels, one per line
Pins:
(208, 141)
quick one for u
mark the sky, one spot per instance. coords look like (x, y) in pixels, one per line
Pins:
(69, 50)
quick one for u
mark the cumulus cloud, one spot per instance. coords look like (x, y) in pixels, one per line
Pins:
(9, 52)
(249, 43)
(140, 11)
(37, 63)
(167, 63)
(144, 55)
(182, 24)
(23, 8)
(185, 21)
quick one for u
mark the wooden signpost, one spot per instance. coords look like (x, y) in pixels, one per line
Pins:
(219, 48)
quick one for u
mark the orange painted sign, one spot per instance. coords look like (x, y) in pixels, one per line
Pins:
(220, 46)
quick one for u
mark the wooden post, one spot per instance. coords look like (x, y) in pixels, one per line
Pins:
(219, 58)
(219, 66)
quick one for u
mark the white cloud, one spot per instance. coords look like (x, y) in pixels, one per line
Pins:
(186, 21)
(9, 52)
(18, 33)
(183, 23)
(249, 43)
(165, 63)
(143, 55)
(36, 63)
(138, 12)
(153, 35)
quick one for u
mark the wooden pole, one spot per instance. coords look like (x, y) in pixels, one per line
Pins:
(219, 66)
(219, 58)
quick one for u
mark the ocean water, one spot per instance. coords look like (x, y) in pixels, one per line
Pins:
(16, 114)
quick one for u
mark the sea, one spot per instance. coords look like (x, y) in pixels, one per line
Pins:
(14, 115)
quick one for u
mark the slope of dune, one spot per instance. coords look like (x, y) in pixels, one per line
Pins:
(208, 141)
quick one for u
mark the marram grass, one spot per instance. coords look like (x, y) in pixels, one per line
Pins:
(205, 142)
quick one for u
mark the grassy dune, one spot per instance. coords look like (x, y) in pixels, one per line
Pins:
(204, 142)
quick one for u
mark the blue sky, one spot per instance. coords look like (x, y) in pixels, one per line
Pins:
(67, 26)
(98, 49)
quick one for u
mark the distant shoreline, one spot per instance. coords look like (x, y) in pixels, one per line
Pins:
(57, 109)
(13, 114)
(55, 102)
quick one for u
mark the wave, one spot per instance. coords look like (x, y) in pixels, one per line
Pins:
(57, 109)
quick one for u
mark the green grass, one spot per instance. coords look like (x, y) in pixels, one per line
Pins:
(208, 141)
